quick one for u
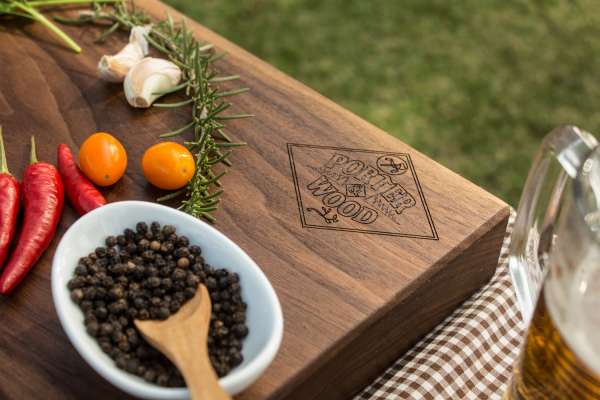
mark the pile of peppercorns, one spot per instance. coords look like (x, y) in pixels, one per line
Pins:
(150, 273)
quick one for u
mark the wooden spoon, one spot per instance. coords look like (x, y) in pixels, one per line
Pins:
(182, 339)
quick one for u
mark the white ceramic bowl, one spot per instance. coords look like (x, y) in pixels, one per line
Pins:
(264, 316)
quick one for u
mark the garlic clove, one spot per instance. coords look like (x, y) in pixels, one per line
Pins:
(138, 35)
(113, 68)
(147, 77)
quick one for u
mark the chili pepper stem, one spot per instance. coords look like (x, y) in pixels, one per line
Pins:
(33, 158)
(3, 161)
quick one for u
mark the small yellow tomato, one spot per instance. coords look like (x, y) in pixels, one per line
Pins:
(103, 159)
(168, 165)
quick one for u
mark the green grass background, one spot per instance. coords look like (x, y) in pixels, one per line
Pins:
(475, 84)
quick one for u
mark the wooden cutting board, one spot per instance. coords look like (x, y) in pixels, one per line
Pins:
(368, 243)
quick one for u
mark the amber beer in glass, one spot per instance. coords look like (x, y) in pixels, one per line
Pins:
(554, 260)
(549, 368)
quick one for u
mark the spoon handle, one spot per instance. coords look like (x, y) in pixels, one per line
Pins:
(183, 340)
(199, 375)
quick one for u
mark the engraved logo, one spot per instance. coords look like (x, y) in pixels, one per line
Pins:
(360, 191)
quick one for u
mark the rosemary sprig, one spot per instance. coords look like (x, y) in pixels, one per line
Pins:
(207, 102)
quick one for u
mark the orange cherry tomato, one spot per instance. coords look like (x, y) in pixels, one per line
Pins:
(168, 165)
(103, 159)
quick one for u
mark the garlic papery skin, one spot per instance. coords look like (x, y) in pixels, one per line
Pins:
(114, 68)
(146, 78)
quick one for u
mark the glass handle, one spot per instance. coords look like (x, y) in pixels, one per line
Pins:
(558, 160)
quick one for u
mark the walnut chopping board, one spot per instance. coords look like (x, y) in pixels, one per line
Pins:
(368, 243)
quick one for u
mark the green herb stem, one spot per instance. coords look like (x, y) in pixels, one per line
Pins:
(172, 195)
(39, 17)
(3, 161)
(33, 156)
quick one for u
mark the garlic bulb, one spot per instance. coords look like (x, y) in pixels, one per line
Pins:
(114, 68)
(147, 77)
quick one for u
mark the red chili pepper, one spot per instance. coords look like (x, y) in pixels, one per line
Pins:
(43, 198)
(10, 193)
(82, 194)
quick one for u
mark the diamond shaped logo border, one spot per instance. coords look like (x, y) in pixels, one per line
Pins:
(303, 222)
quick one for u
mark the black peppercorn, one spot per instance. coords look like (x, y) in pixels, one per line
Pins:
(132, 365)
(150, 376)
(239, 317)
(155, 227)
(92, 328)
(141, 227)
(183, 262)
(101, 252)
(215, 296)
(105, 346)
(163, 313)
(106, 329)
(183, 241)
(143, 245)
(121, 240)
(101, 312)
(211, 283)
(223, 282)
(132, 313)
(77, 295)
(107, 281)
(179, 274)
(118, 306)
(129, 234)
(111, 241)
(167, 247)
(167, 283)
(155, 245)
(153, 282)
(81, 270)
(131, 248)
(121, 362)
(174, 306)
(116, 292)
(124, 346)
(240, 331)
(168, 230)
(89, 293)
(76, 282)
(111, 252)
(181, 252)
(235, 357)
(195, 250)
(192, 280)
(189, 292)
(150, 275)
(162, 379)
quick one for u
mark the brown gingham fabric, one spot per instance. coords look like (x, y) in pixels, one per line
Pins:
(468, 356)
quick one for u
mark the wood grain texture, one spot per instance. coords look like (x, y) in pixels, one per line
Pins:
(352, 300)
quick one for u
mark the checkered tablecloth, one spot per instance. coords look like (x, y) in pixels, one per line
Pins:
(468, 356)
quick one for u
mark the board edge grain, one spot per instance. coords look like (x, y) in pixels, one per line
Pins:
(353, 362)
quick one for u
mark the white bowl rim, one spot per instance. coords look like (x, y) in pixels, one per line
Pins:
(236, 381)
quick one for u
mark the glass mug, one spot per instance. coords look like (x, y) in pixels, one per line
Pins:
(554, 261)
